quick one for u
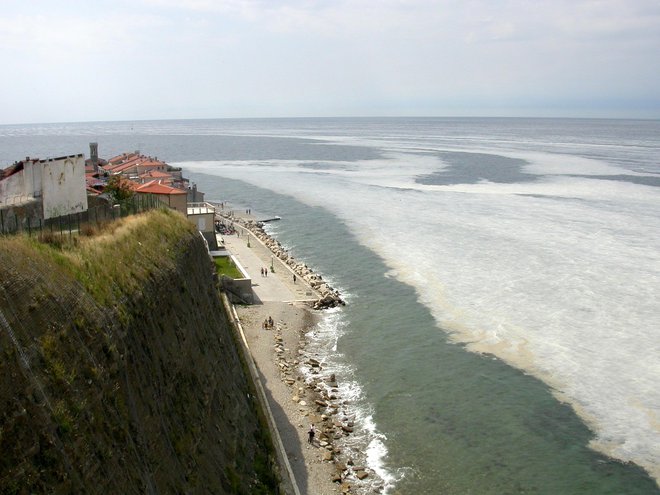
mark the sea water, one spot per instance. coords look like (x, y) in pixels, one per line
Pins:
(502, 332)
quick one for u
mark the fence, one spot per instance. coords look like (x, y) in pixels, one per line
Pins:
(12, 222)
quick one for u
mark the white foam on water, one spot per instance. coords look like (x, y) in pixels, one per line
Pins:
(559, 277)
(547, 163)
(365, 445)
(377, 453)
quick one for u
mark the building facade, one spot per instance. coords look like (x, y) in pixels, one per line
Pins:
(57, 185)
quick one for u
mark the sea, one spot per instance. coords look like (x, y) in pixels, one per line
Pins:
(502, 278)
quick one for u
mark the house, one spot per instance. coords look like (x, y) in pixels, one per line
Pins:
(134, 164)
(163, 177)
(203, 216)
(142, 169)
(195, 196)
(171, 196)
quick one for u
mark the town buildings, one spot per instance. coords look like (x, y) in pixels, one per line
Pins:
(33, 190)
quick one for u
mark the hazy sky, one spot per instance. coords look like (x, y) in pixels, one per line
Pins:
(67, 60)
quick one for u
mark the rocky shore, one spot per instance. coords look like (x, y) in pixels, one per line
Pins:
(317, 394)
(308, 395)
(294, 372)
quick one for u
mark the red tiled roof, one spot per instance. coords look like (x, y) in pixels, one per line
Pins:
(154, 187)
(154, 164)
(90, 180)
(139, 162)
(116, 160)
(123, 165)
(130, 183)
(156, 174)
(11, 170)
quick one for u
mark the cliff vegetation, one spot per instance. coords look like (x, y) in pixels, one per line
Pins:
(118, 369)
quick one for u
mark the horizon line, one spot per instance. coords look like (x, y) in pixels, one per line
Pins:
(338, 117)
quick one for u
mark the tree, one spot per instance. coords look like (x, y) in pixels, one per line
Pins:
(118, 188)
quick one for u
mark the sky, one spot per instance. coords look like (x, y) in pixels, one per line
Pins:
(97, 60)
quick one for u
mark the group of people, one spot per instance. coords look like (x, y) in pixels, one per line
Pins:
(223, 229)
(268, 323)
(264, 272)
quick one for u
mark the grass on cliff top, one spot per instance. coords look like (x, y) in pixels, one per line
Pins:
(117, 260)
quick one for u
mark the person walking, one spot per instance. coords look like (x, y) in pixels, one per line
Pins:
(311, 434)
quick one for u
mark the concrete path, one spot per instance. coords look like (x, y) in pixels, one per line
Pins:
(278, 297)
(276, 286)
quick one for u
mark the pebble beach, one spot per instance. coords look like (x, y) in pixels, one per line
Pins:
(300, 393)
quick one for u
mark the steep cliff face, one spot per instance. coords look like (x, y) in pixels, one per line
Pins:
(119, 372)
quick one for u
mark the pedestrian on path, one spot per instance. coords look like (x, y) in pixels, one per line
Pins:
(294, 278)
(311, 434)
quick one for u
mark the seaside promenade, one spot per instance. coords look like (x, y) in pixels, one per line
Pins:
(277, 286)
(275, 354)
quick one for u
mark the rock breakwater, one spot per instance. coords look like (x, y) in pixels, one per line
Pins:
(328, 296)
(316, 392)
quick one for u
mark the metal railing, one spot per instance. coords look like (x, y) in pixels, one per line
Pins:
(199, 208)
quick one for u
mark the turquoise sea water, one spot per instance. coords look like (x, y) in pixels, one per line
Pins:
(492, 267)
(454, 422)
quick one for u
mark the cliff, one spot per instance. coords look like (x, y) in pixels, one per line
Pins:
(119, 372)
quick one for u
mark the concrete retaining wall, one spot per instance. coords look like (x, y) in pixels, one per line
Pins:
(238, 288)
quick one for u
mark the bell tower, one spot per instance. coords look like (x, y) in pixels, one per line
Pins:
(94, 155)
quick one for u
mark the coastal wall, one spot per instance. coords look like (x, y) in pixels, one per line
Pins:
(20, 216)
(119, 370)
(59, 183)
(13, 189)
(238, 290)
(63, 186)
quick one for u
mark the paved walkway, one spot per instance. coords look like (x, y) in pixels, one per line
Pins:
(276, 295)
(276, 286)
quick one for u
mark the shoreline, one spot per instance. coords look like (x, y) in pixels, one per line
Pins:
(299, 391)
(328, 297)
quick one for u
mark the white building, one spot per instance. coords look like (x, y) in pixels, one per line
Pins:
(203, 215)
(58, 184)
